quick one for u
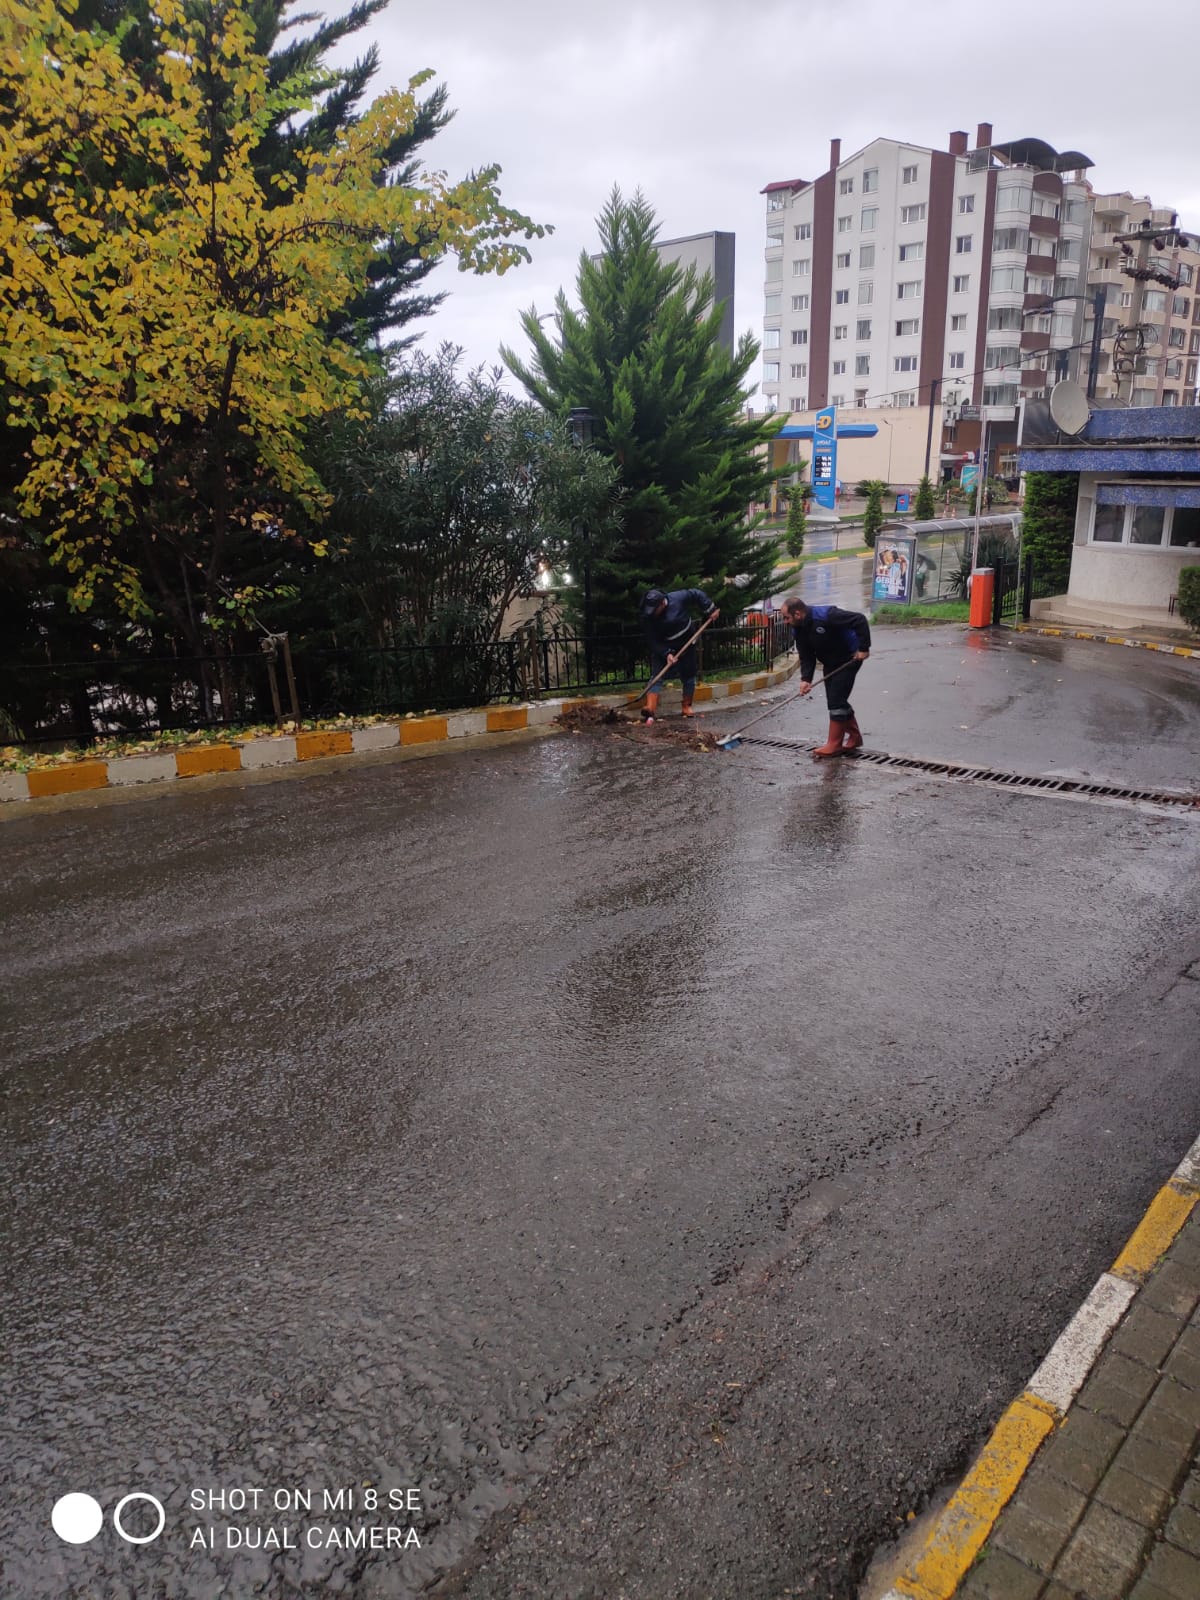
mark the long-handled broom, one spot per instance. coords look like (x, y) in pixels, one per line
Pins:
(732, 740)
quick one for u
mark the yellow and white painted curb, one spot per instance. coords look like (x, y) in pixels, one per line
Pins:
(966, 1523)
(249, 755)
(1189, 652)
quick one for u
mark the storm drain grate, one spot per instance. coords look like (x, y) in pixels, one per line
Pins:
(1003, 780)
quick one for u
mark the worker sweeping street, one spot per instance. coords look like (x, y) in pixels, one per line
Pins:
(668, 624)
(841, 642)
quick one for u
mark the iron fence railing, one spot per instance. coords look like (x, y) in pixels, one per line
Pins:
(114, 695)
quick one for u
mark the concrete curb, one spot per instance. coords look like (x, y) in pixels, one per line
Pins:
(1187, 651)
(967, 1522)
(203, 760)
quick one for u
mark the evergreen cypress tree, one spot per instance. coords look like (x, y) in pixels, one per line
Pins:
(873, 515)
(1048, 524)
(643, 355)
(797, 523)
(924, 509)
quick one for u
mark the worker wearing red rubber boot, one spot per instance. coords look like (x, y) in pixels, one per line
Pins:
(841, 642)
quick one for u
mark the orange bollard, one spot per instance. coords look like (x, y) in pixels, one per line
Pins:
(983, 588)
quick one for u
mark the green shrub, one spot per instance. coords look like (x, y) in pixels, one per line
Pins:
(1189, 596)
(797, 525)
(924, 509)
(873, 516)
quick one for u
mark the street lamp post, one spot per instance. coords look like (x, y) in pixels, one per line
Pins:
(582, 424)
(1098, 302)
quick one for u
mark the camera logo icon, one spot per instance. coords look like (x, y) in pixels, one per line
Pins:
(78, 1518)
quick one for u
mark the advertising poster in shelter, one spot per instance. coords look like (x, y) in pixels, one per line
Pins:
(895, 564)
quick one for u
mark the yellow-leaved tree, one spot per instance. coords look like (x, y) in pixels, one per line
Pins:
(162, 316)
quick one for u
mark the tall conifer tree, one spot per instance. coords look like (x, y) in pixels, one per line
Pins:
(643, 354)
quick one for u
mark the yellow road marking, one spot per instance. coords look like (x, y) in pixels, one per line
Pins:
(1168, 1212)
(987, 1488)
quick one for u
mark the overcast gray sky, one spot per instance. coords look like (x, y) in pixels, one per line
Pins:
(702, 103)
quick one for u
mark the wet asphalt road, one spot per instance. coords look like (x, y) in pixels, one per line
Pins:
(668, 1165)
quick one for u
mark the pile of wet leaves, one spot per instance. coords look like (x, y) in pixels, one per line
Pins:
(678, 731)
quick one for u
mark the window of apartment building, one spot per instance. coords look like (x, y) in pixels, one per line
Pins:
(799, 335)
(1041, 205)
(904, 364)
(905, 399)
(866, 257)
(776, 202)
(799, 369)
(963, 244)
(870, 180)
(1000, 394)
(771, 339)
(860, 398)
(1062, 325)
(1173, 369)
(1011, 239)
(775, 237)
(799, 402)
(1008, 280)
(1183, 272)
(1126, 299)
(868, 218)
(799, 302)
(958, 322)
(845, 185)
(845, 224)
(1013, 197)
(1035, 283)
(912, 252)
(1002, 355)
(962, 282)
(1190, 376)
(837, 399)
(1143, 397)
(1149, 366)
(1194, 345)
(1067, 250)
(862, 366)
(843, 259)
(774, 271)
(1065, 285)
(907, 327)
(1074, 210)
(1177, 338)
(958, 360)
(862, 328)
(908, 175)
(910, 290)
(1170, 398)
(866, 293)
(840, 330)
(839, 368)
(1180, 305)
(913, 213)
(773, 305)
(1154, 300)
(802, 269)
(802, 230)
(841, 297)
(966, 203)
(770, 372)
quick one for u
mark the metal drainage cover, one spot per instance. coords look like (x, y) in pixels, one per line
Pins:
(1004, 780)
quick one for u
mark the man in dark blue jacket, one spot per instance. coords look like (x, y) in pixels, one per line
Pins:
(841, 642)
(668, 624)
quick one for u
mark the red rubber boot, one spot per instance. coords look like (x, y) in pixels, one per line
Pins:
(833, 744)
(852, 737)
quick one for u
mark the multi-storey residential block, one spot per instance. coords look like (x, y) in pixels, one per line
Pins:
(1164, 373)
(906, 276)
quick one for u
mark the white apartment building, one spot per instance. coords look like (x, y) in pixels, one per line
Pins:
(905, 275)
(1165, 374)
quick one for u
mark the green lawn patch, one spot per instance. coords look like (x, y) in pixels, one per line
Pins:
(934, 611)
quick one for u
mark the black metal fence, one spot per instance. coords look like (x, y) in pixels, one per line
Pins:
(1019, 583)
(129, 695)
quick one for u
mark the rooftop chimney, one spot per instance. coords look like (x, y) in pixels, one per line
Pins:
(835, 154)
(983, 136)
(958, 143)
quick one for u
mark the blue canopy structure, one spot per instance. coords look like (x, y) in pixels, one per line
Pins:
(845, 430)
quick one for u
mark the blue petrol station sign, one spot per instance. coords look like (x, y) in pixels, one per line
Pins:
(824, 461)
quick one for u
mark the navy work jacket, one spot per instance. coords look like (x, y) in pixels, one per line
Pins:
(675, 627)
(829, 635)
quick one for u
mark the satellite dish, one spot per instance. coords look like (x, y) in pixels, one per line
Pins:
(1069, 409)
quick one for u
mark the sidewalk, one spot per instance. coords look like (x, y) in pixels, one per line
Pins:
(1171, 644)
(1089, 1489)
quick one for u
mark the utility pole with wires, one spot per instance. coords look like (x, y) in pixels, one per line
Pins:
(1132, 342)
